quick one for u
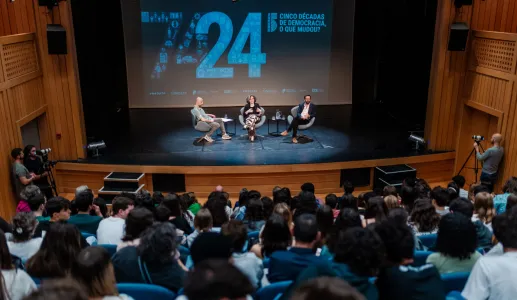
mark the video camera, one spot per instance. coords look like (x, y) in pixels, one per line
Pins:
(47, 164)
(478, 138)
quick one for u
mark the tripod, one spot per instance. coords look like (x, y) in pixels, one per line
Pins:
(47, 166)
(476, 162)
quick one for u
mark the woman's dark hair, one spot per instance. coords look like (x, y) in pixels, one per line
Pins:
(307, 204)
(424, 216)
(283, 195)
(102, 207)
(276, 235)
(162, 213)
(249, 97)
(511, 201)
(57, 289)
(145, 199)
(216, 204)
(6, 261)
(510, 186)
(243, 198)
(408, 196)
(267, 204)
(422, 188)
(399, 215)
(457, 236)
(57, 253)
(347, 218)
(398, 240)
(184, 207)
(361, 249)
(24, 224)
(376, 209)
(93, 269)
(26, 153)
(158, 198)
(349, 201)
(453, 190)
(254, 213)
(158, 244)
(137, 221)
(325, 220)
(172, 202)
(332, 201)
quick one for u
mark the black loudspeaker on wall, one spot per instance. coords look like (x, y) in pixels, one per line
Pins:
(56, 39)
(458, 37)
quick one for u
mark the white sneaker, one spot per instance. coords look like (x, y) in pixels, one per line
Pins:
(226, 137)
(208, 139)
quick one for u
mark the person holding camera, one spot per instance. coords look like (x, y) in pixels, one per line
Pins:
(491, 159)
(22, 177)
(35, 165)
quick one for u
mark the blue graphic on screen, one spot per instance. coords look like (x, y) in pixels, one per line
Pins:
(272, 48)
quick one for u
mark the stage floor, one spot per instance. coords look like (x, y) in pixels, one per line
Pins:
(155, 137)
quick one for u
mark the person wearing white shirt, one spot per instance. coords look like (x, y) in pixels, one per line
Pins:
(23, 245)
(493, 277)
(306, 111)
(111, 230)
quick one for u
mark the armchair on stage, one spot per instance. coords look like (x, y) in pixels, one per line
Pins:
(294, 113)
(257, 125)
(199, 126)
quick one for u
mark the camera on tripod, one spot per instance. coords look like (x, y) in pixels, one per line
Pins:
(47, 164)
(478, 138)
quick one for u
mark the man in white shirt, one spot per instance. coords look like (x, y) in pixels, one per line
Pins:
(306, 111)
(111, 230)
(493, 277)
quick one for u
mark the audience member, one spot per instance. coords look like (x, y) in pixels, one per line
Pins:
(390, 190)
(328, 288)
(408, 196)
(376, 210)
(94, 271)
(424, 218)
(101, 203)
(484, 209)
(80, 189)
(276, 236)
(453, 191)
(254, 218)
(460, 181)
(58, 209)
(493, 277)
(187, 214)
(57, 253)
(111, 230)
(247, 262)
(348, 218)
(466, 208)
(306, 204)
(192, 203)
(211, 245)
(332, 201)
(397, 279)
(154, 260)
(216, 280)
(359, 253)
(399, 215)
(287, 264)
(202, 223)
(349, 201)
(157, 198)
(282, 196)
(440, 199)
(391, 201)
(348, 187)
(23, 245)
(83, 220)
(146, 200)
(268, 205)
(309, 187)
(216, 204)
(162, 214)
(240, 207)
(37, 206)
(15, 284)
(172, 202)
(58, 289)
(455, 245)
(282, 209)
(511, 201)
(509, 188)
(73, 208)
(137, 221)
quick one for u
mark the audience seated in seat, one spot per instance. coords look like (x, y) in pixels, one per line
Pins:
(217, 205)
(493, 277)
(484, 209)
(59, 289)
(397, 279)
(328, 288)
(466, 208)
(60, 247)
(456, 245)
(424, 218)
(83, 220)
(440, 199)
(172, 202)
(155, 260)
(216, 279)
(509, 188)
(254, 217)
(276, 236)
(24, 245)
(287, 264)
(211, 245)
(137, 221)
(306, 204)
(37, 206)
(111, 230)
(94, 271)
(203, 222)
(247, 262)
(348, 218)
(376, 210)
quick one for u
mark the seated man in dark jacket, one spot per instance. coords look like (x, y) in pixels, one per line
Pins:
(287, 265)
(397, 279)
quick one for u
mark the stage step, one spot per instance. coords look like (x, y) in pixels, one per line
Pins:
(117, 183)
(392, 176)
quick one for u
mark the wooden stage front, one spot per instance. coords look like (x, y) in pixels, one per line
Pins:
(203, 179)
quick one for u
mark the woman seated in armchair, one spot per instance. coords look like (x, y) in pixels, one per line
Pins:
(251, 113)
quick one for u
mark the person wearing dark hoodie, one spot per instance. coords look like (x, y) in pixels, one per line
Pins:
(466, 208)
(359, 253)
(397, 279)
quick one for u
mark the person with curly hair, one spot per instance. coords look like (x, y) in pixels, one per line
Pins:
(455, 245)
(484, 209)
(424, 218)
(466, 208)
(376, 210)
(348, 218)
(23, 245)
(358, 256)
(397, 279)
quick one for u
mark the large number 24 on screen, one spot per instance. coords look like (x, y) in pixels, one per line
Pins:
(252, 29)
